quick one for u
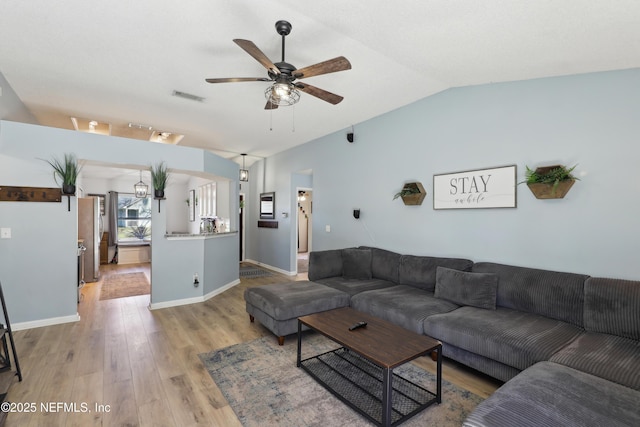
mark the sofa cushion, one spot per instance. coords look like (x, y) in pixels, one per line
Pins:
(466, 288)
(548, 293)
(354, 286)
(608, 356)
(612, 306)
(384, 264)
(402, 305)
(512, 337)
(420, 271)
(356, 263)
(553, 395)
(325, 264)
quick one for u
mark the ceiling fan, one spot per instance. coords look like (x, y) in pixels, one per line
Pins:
(284, 90)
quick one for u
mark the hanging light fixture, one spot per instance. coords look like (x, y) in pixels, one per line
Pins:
(282, 92)
(244, 173)
(141, 188)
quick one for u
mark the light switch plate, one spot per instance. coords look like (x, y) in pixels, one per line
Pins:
(5, 233)
(327, 228)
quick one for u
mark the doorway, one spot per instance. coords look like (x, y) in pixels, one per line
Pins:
(304, 228)
(241, 226)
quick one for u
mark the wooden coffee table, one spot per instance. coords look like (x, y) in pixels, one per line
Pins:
(360, 373)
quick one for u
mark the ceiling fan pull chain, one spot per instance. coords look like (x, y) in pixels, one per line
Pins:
(293, 118)
(271, 119)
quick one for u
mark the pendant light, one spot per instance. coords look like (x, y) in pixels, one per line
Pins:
(141, 188)
(244, 173)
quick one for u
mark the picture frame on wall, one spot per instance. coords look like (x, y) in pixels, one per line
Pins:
(476, 189)
(192, 205)
(268, 205)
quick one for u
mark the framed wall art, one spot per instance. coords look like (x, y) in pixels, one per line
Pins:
(268, 205)
(476, 189)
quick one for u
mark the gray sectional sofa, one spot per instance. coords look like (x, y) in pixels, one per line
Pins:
(558, 340)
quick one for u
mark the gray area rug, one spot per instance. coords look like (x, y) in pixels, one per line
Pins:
(264, 387)
(251, 272)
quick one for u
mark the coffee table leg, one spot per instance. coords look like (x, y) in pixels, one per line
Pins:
(299, 343)
(386, 396)
(439, 376)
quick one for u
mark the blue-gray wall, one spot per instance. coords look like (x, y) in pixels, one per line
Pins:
(592, 120)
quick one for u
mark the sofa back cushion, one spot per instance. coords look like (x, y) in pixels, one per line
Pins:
(612, 306)
(323, 264)
(547, 293)
(420, 271)
(356, 263)
(467, 288)
(385, 264)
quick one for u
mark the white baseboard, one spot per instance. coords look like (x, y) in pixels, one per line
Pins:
(45, 322)
(187, 301)
(272, 268)
(221, 290)
(175, 303)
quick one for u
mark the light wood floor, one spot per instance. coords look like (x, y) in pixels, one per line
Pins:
(144, 364)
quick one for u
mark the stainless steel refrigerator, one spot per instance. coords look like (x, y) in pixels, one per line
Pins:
(90, 228)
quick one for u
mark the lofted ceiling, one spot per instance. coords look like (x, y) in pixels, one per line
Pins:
(121, 61)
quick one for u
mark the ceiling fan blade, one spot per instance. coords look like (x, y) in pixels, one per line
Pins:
(330, 66)
(238, 79)
(257, 54)
(331, 98)
(270, 106)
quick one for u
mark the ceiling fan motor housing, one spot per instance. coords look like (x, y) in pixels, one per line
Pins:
(286, 70)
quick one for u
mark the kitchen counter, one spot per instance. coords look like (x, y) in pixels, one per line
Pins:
(199, 236)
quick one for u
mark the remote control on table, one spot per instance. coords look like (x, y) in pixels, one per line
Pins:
(357, 325)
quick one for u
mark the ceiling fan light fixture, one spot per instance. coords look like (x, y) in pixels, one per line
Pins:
(282, 93)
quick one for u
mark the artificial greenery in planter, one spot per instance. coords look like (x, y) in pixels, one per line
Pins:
(550, 182)
(66, 171)
(159, 178)
(412, 193)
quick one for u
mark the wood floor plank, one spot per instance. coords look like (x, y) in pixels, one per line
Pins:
(123, 410)
(87, 389)
(156, 414)
(184, 404)
(116, 359)
(147, 384)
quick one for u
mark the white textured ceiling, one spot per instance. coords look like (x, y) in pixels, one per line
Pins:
(119, 61)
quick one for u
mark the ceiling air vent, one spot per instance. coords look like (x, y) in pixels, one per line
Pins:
(188, 96)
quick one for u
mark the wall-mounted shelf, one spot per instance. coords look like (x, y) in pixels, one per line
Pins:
(550, 190)
(417, 195)
(268, 224)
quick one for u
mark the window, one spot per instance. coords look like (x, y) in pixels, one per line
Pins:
(207, 200)
(134, 219)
